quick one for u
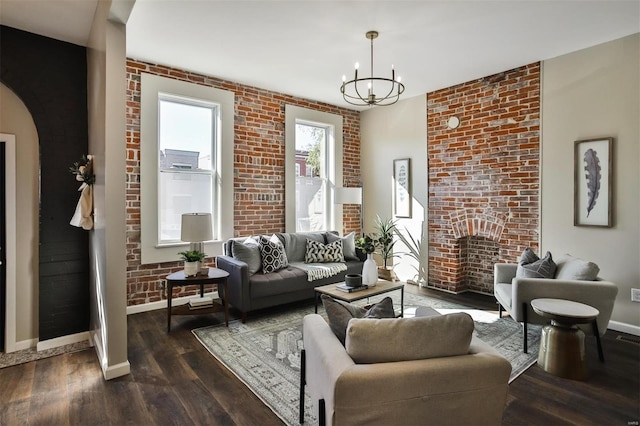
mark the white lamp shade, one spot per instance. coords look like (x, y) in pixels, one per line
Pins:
(348, 195)
(196, 227)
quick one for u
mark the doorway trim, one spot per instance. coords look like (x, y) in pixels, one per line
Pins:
(10, 221)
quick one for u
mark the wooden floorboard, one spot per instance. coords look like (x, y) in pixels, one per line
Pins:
(175, 380)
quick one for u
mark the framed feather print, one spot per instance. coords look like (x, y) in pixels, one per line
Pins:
(593, 164)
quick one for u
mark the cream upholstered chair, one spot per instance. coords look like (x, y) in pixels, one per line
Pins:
(575, 280)
(403, 371)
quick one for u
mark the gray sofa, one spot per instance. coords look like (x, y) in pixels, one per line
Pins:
(251, 291)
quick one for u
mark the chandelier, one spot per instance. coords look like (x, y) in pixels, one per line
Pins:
(352, 90)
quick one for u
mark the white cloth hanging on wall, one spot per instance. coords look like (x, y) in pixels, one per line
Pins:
(83, 216)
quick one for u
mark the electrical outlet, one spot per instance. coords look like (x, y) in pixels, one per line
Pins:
(635, 294)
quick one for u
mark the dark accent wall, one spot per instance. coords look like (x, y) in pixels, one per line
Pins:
(50, 77)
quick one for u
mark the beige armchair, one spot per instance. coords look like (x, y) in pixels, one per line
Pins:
(358, 389)
(515, 295)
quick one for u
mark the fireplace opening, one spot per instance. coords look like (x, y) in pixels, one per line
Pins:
(477, 257)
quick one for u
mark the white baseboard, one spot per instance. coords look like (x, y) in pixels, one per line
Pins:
(118, 370)
(162, 304)
(624, 327)
(62, 340)
(26, 344)
(109, 371)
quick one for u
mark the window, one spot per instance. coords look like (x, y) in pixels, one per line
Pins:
(186, 162)
(186, 138)
(314, 147)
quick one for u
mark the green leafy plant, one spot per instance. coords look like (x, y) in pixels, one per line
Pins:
(384, 238)
(367, 244)
(192, 256)
(415, 251)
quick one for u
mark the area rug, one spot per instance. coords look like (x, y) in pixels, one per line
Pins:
(264, 353)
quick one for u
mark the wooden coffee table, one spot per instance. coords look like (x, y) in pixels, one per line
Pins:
(381, 287)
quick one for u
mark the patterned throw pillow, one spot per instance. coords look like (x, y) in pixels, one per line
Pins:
(348, 244)
(531, 266)
(273, 255)
(323, 253)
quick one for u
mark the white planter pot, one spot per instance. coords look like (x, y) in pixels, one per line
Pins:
(370, 271)
(191, 268)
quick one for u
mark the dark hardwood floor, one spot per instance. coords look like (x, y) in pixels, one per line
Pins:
(174, 380)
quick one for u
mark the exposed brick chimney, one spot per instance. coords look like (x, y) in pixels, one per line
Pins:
(484, 177)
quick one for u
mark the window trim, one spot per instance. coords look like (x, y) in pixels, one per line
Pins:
(152, 86)
(292, 115)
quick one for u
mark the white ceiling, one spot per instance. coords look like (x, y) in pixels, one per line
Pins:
(303, 47)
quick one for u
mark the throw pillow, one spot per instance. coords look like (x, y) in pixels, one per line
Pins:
(247, 251)
(322, 253)
(348, 244)
(574, 268)
(405, 339)
(340, 313)
(531, 266)
(273, 255)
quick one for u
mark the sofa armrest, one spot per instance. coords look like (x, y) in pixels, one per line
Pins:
(325, 357)
(465, 389)
(504, 272)
(237, 283)
(600, 294)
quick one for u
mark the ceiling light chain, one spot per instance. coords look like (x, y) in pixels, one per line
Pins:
(351, 93)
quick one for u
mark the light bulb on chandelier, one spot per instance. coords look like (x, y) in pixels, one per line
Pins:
(392, 87)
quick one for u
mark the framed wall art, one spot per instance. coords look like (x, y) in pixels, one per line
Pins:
(402, 187)
(593, 186)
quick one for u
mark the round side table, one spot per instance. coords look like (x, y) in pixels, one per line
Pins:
(562, 350)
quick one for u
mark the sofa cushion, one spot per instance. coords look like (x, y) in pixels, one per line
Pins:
(247, 251)
(273, 254)
(531, 266)
(404, 339)
(322, 253)
(348, 244)
(340, 313)
(574, 268)
(295, 243)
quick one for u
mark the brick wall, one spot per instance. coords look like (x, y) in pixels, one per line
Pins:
(258, 168)
(484, 189)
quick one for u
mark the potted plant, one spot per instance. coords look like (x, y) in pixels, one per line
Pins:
(386, 229)
(192, 259)
(415, 251)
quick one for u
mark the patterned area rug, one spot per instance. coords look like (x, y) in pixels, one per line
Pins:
(264, 353)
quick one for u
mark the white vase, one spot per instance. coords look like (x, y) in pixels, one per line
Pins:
(191, 268)
(370, 271)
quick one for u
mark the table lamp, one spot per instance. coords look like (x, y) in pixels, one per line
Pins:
(196, 228)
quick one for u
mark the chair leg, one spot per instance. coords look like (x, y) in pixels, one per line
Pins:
(524, 328)
(598, 342)
(499, 310)
(302, 383)
(322, 421)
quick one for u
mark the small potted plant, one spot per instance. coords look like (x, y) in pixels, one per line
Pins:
(192, 259)
(386, 229)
